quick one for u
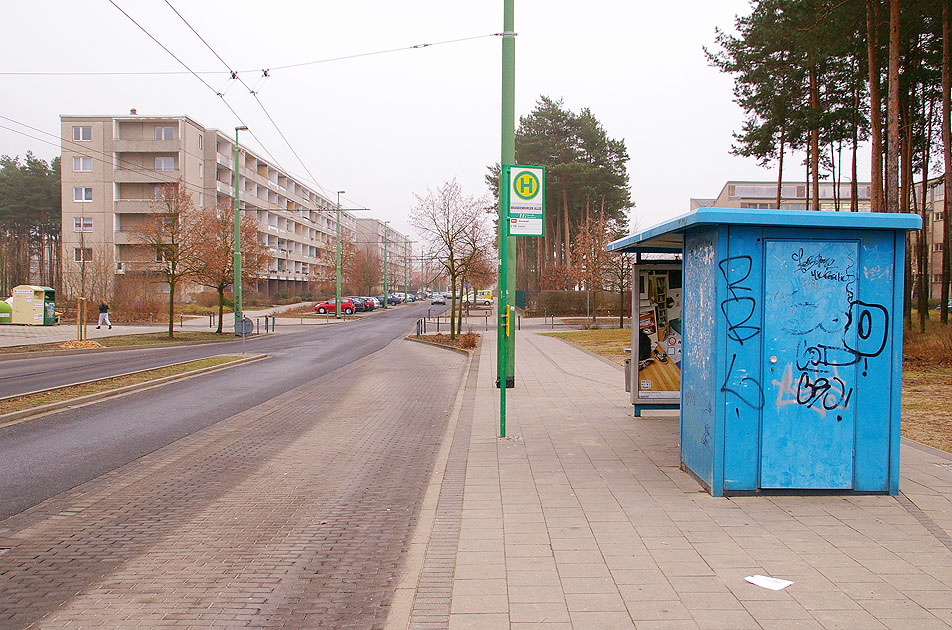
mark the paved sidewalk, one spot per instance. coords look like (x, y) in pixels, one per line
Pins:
(25, 335)
(582, 519)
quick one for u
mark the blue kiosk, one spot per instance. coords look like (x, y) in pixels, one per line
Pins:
(790, 345)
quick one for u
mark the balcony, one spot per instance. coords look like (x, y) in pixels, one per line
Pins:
(134, 206)
(146, 176)
(146, 146)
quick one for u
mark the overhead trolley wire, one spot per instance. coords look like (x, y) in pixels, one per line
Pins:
(237, 76)
(204, 82)
(265, 72)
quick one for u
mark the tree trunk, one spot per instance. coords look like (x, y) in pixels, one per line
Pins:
(779, 175)
(171, 309)
(459, 314)
(815, 137)
(221, 307)
(854, 186)
(833, 179)
(567, 233)
(875, 108)
(892, 111)
(923, 303)
(806, 198)
(947, 154)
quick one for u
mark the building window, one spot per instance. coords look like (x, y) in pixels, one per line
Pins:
(937, 247)
(82, 224)
(165, 163)
(165, 133)
(82, 133)
(201, 170)
(159, 255)
(938, 216)
(201, 142)
(82, 164)
(82, 254)
(82, 194)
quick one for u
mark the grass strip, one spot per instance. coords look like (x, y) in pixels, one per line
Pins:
(606, 342)
(31, 401)
(143, 339)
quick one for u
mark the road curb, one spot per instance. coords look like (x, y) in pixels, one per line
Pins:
(15, 417)
(467, 353)
(404, 594)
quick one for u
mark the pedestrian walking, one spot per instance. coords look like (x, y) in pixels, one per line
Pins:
(104, 315)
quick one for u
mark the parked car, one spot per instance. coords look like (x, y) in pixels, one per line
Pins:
(391, 300)
(369, 302)
(437, 299)
(377, 301)
(359, 305)
(346, 306)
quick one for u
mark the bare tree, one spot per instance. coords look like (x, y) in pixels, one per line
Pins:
(174, 233)
(362, 269)
(591, 259)
(618, 268)
(215, 267)
(450, 223)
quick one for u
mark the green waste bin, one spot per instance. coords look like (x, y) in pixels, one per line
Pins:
(6, 313)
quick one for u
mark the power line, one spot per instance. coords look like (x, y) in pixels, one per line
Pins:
(264, 71)
(204, 82)
(235, 75)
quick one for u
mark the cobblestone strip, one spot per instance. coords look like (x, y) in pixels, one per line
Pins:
(296, 513)
(431, 607)
(940, 534)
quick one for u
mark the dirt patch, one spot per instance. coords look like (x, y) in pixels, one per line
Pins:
(464, 341)
(927, 405)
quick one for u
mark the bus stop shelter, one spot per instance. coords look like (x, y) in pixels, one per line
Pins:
(790, 335)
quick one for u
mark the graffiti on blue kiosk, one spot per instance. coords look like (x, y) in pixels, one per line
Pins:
(738, 309)
(833, 330)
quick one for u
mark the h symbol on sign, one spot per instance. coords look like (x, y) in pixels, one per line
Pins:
(526, 183)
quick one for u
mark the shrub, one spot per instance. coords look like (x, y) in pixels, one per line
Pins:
(467, 340)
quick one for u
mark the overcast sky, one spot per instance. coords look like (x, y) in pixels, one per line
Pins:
(383, 127)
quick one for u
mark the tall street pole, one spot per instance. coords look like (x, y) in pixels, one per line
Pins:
(386, 269)
(337, 294)
(406, 261)
(505, 350)
(237, 263)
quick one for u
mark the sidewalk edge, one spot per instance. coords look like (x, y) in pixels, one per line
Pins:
(401, 604)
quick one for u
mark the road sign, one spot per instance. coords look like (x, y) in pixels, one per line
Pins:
(244, 326)
(526, 200)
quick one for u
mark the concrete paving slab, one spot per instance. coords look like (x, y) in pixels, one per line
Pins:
(600, 523)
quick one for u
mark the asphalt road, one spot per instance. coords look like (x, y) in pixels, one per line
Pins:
(18, 376)
(42, 457)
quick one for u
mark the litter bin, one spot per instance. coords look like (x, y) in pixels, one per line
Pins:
(33, 305)
(792, 346)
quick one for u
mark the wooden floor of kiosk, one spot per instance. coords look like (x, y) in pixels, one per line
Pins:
(664, 377)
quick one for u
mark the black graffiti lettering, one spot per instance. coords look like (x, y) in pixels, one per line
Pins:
(872, 328)
(747, 383)
(830, 393)
(738, 328)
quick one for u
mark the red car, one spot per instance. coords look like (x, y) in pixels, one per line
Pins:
(346, 306)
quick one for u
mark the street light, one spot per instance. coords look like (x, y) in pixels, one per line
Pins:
(337, 301)
(386, 291)
(406, 262)
(237, 265)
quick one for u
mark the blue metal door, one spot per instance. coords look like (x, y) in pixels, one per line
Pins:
(807, 431)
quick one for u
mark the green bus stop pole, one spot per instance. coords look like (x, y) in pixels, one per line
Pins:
(505, 348)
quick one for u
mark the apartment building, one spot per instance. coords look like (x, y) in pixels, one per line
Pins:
(795, 196)
(377, 238)
(113, 167)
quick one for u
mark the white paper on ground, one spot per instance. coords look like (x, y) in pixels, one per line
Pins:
(774, 584)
